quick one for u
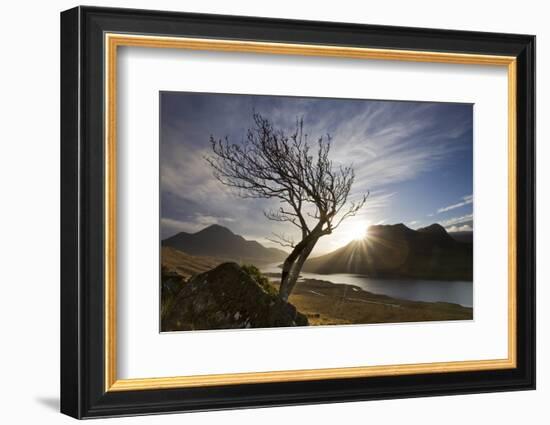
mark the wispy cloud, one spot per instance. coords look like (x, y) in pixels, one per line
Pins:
(462, 228)
(457, 220)
(387, 143)
(466, 200)
(390, 142)
(376, 201)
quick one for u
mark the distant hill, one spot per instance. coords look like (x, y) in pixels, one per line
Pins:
(218, 241)
(396, 251)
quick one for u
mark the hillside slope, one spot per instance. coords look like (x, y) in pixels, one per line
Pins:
(396, 251)
(219, 241)
(184, 264)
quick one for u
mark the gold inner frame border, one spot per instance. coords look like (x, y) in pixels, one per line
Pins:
(111, 43)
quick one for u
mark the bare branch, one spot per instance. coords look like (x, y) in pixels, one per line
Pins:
(282, 240)
(271, 164)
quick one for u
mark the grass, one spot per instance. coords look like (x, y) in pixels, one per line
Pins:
(262, 280)
(326, 303)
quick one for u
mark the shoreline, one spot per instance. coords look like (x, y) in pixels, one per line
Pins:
(274, 279)
(326, 303)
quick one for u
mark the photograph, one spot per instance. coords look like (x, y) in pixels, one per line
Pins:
(279, 211)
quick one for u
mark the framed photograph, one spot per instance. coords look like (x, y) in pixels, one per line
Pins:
(261, 212)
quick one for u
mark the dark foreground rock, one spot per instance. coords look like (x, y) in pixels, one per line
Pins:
(171, 284)
(228, 297)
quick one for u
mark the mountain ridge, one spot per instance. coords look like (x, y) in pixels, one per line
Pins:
(397, 251)
(219, 241)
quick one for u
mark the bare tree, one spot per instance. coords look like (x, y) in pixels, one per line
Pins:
(313, 193)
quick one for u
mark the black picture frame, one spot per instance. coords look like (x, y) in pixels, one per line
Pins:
(83, 392)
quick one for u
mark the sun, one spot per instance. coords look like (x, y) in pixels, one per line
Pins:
(350, 231)
(358, 230)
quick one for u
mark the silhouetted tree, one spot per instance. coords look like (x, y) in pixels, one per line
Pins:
(312, 191)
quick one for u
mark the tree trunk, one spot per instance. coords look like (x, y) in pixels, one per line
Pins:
(292, 268)
(289, 262)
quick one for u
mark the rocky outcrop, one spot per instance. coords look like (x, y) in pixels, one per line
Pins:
(170, 286)
(229, 297)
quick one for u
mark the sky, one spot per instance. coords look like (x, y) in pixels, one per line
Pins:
(415, 159)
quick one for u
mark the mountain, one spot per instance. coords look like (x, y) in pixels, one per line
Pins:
(219, 241)
(465, 236)
(396, 251)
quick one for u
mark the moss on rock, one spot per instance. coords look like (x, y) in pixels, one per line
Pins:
(230, 297)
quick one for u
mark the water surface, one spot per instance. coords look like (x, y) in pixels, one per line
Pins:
(457, 292)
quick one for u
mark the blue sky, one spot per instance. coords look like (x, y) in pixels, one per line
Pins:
(415, 159)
